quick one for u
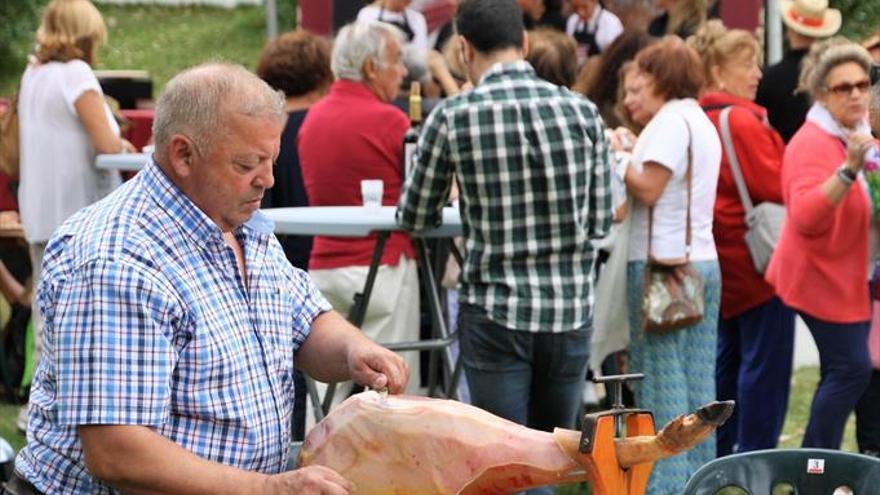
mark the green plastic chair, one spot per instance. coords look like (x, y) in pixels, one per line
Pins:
(788, 472)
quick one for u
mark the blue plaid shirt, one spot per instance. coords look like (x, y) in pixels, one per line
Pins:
(147, 322)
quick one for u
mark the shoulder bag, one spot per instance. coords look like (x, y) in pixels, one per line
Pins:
(672, 296)
(764, 221)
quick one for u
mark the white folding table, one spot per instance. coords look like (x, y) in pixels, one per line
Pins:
(358, 221)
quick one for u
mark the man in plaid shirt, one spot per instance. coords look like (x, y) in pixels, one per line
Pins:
(173, 318)
(533, 168)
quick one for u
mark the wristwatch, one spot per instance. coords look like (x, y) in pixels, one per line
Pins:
(846, 175)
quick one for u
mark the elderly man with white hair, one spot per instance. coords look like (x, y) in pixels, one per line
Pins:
(355, 134)
(173, 319)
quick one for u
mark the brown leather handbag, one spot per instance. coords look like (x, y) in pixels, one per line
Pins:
(672, 296)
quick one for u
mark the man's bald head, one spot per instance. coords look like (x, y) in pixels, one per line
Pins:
(196, 102)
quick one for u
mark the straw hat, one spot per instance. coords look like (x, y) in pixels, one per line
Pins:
(810, 18)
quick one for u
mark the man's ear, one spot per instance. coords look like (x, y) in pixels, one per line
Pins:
(368, 69)
(181, 155)
(525, 44)
(466, 51)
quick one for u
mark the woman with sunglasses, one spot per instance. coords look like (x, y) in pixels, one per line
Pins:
(821, 265)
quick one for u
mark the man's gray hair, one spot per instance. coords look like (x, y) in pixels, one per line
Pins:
(195, 102)
(358, 42)
(825, 56)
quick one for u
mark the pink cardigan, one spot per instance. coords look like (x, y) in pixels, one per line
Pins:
(820, 266)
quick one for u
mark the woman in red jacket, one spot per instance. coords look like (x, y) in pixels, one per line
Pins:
(820, 267)
(756, 329)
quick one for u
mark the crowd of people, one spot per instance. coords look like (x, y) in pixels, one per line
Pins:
(582, 150)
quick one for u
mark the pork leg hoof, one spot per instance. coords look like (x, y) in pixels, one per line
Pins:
(716, 413)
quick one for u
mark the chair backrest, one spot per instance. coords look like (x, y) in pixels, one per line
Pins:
(788, 472)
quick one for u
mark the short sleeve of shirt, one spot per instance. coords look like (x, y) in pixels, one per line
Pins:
(114, 352)
(312, 304)
(667, 142)
(79, 79)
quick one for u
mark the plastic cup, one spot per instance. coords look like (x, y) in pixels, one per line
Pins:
(371, 192)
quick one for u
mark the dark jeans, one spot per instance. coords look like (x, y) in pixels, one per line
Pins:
(529, 378)
(868, 418)
(753, 367)
(845, 373)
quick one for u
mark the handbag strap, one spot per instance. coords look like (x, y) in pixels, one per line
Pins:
(689, 179)
(726, 138)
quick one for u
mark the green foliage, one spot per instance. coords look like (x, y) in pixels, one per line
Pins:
(159, 39)
(860, 17)
(18, 23)
(165, 40)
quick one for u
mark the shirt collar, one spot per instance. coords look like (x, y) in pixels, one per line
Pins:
(192, 220)
(500, 70)
(346, 87)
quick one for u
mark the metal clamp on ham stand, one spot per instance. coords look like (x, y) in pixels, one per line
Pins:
(619, 462)
(599, 432)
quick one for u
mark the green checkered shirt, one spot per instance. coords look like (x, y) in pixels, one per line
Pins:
(534, 169)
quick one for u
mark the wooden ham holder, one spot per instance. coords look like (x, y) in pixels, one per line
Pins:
(617, 464)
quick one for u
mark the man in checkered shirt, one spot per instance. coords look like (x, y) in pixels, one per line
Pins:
(173, 319)
(532, 165)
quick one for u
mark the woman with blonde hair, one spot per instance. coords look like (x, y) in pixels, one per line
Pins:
(821, 265)
(64, 123)
(756, 329)
(679, 17)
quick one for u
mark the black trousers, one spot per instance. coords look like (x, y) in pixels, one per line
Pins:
(868, 418)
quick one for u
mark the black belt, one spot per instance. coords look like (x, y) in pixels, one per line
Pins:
(20, 486)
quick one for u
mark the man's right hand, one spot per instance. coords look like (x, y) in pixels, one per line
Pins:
(311, 480)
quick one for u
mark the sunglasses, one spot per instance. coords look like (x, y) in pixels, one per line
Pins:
(845, 89)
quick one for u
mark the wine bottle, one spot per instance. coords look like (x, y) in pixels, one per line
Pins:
(415, 124)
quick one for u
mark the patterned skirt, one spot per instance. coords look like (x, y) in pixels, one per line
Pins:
(679, 370)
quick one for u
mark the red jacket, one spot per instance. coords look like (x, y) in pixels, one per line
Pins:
(821, 263)
(348, 136)
(759, 150)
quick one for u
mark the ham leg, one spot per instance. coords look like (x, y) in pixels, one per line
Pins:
(415, 445)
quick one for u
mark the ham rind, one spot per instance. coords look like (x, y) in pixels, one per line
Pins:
(415, 445)
(389, 445)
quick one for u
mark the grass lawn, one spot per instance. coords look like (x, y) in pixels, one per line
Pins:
(803, 385)
(164, 40)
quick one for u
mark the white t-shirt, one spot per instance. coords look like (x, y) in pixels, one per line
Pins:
(58, 173)
(606, 26)
(665, 141)
(414, 19)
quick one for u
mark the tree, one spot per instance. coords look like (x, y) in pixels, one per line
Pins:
(860, 17)
(20, 21)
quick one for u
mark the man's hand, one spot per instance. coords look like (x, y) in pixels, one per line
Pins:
(376, 367)
(336, 351)
(311, 480)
